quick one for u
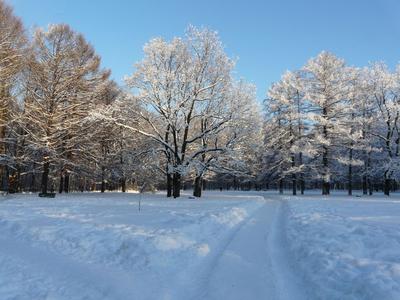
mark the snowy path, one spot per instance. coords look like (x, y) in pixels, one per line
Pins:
(254, 264)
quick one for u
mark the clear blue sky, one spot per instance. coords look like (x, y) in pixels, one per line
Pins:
(268, 37)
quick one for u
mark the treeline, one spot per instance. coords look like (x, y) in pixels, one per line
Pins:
(183, 119)
(65, 126)
(332, 125)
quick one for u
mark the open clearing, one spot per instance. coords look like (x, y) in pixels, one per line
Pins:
(233, 245)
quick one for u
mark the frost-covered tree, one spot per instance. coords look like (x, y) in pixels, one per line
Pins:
(176, 83)
(285, 131)
(385, 89)
(325, 83)
(122, 154)
(239, 141)
(63, 76)
(349, 125)
(12, 51)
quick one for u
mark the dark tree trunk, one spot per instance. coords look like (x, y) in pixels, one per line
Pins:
(325, 180)
(280, 186)
(123, 184)
(386, 188)
(197, 186)
(365, 185)
(325, 162)
(177, 184)
(302, 183)
(325, 188)
(294, 184)
(82, 184)
(66, 183)
(33, 183)
(294, 181)
(18, 183)
(103, 182)
(169, 185)
(371, 188)
(5, 184)
(61, 186)
(45, 177)
(350, 175)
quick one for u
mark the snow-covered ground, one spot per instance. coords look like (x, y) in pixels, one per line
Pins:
(345, 247)
(94, 246)
(231, 245)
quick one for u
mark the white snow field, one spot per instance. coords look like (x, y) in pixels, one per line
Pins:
(224, 246)
(346, 247)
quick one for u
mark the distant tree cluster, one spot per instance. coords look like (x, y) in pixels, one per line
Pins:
(332, 125)
(66, 126)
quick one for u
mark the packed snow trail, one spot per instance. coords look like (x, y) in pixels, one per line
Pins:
(255, 263)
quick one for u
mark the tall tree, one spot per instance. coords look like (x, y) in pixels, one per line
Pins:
(385, 89)
(176, 82)
(285, 130)
(326, 89)
(12, 50)
(64, 74)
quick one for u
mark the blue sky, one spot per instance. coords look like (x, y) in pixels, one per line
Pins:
(268, 37)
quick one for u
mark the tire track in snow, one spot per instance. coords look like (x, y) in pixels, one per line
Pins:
(253, 263)
(288, 284)
(202, 281)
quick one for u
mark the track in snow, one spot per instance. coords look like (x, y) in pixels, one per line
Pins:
(255, 263)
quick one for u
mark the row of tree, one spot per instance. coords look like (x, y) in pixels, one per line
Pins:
(334, 124)
(64, 125)
(184, 119)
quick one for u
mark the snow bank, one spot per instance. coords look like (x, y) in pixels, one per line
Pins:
(347, 248)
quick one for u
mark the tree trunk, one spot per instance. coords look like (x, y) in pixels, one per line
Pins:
(177, 185)
(325, 188)
(103, 183)
(33, 183)
(169, 185)
(302, 183)
(350, 175)
(280, 186)
(294, 181)
(325, 162)
(18, 183)
(45, 177)
(371, 188)
(325, 180)
(3, 169)
(294, 184)
(61, 186)
(197, 186)
(66, 183)
(386, 188)
(5, 184)
(365, 185)
(123, 184)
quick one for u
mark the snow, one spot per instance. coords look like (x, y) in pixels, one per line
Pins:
(94, 246)
(347, 248)
(232, 245)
